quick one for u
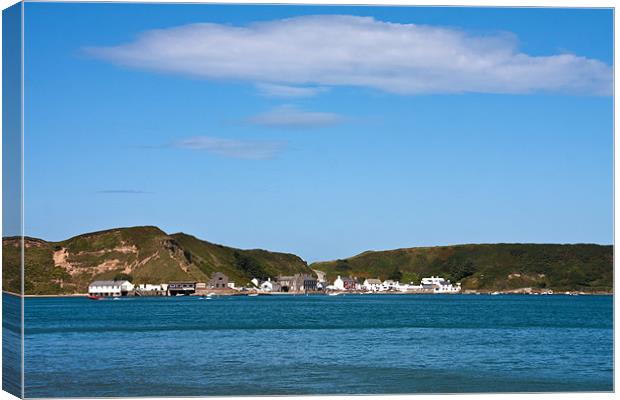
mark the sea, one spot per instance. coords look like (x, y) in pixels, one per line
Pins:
(316, 344)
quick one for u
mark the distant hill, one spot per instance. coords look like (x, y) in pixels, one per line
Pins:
(149, 255)
(585, 267)
(145, 253)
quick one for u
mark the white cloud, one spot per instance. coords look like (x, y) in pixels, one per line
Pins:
(291, 117)
(285, 91)
(334, 50)
(234, 148)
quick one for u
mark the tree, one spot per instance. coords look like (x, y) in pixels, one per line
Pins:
(461, 270)
(123, 277)
(342, 265)
(411, 277)
(249, 265)
(395, 275)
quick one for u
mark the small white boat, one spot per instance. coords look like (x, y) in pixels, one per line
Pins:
(252, 294)
(494, 293)
(333, 294)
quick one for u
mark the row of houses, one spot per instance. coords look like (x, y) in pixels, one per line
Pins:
(118, 288)
(306, 283)
(433, 284)
(298, 283)
(114, 288)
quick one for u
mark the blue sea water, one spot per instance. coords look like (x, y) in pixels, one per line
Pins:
(12, 344)
(362, 344)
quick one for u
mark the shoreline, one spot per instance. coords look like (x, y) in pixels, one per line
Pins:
(45, 295)
(245, 294)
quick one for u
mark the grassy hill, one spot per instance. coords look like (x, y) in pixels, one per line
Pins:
(586, 267)
(148, 254)
(145, 253)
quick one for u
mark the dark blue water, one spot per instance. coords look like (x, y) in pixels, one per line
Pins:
(318, 344)
(12, 344)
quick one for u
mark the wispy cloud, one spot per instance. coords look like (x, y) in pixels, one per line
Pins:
(123, 191)
(330, 50)
(286, 91)
(235, 148)
(288, 116)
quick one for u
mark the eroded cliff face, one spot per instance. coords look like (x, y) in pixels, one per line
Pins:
(146, 254)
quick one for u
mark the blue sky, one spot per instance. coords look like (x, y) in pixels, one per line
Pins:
(279, 127)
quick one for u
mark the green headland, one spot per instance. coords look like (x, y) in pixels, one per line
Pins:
(147, 254)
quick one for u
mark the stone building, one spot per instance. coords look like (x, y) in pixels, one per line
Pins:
(218, 281)
(297, 283)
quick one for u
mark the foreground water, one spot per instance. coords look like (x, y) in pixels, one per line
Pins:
(317, 344)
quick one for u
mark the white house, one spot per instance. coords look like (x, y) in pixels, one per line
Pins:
(338, 283)
(372, 285)
(255, 282)
(149, 287)
(390, 285)
(270, 286)
(440, 285)
(410, 287)
(110, 288)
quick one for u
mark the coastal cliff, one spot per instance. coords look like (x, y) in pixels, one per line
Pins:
(147, 254)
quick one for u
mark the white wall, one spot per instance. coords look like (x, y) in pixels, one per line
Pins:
(339, 283)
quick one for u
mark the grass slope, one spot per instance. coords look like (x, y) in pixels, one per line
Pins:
(239, 265)
(586, 267)
(146, 253)
(150, 255)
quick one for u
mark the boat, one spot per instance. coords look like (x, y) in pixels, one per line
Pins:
(494, 293)
(94, 297)
(333, 294)
(252, 294)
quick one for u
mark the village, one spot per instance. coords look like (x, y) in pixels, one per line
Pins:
(300, 283)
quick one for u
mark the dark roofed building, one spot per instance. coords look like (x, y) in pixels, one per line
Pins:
(305, 283)
(297, 283)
